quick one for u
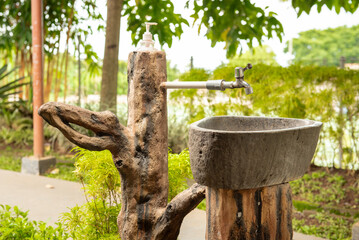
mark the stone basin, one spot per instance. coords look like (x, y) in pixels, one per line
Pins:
(237, 153)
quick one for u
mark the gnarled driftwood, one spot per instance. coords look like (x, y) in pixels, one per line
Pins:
(139, 150)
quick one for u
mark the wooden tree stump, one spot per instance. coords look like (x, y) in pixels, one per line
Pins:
(263, 213)
(139, 150)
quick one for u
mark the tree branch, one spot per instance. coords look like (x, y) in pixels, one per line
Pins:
(170, 222)
(110, 134)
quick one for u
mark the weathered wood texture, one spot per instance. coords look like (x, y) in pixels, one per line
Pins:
(139, 151)
(263, 213)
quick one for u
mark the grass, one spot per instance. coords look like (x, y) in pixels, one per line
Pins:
(65, 172)
(10, 159)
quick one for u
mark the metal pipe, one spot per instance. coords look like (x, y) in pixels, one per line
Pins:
(37, 75)
(184, 85)
(210, 85)
(215, 84)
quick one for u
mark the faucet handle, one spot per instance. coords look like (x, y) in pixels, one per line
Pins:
(249, 66)
(239, 72)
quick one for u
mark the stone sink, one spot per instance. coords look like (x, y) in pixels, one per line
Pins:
(250, 152)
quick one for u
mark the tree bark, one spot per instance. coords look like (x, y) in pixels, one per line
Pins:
(262, 213)
(56, 71)
(48, 79)
(69, 24)
(139, 151)
(108, 96)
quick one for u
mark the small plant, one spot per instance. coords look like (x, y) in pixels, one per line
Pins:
(14, 224)
(17, 137)
(15, 128)
(336, 228)
(179, 172)
(96, 219)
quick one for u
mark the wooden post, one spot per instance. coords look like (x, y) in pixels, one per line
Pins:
(37, 75)
(139, 150)
(147, 119)
(263, 213)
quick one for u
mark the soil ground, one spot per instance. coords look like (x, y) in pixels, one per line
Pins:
(326, 202)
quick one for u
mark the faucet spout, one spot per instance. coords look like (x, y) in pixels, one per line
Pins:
(239, 75)
(248, 90)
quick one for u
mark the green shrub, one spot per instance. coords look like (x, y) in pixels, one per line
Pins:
(191, 99)
(302, 205)
(177, 133)
(14, 224)
(96, 219)
(17, 137)
(179, 172)
(15, 127)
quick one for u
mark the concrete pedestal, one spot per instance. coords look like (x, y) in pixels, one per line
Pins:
(37, 166)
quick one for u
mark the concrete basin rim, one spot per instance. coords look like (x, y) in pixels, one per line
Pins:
(312, 124)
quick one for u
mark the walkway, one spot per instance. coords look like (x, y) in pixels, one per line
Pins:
(35, 193)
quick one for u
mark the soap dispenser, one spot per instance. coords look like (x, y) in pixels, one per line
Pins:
(147, 44)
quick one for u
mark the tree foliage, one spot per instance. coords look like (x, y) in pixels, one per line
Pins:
(306, 6)
(60, 19)
(161, 12)
(325, 47)
(232, 21)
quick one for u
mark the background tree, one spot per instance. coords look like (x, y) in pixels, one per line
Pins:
(229, 21)
(258, 55)
(325, 47)
(306, 6)
(108, 97)
(230, 26)
(60, 19)
(138, 12)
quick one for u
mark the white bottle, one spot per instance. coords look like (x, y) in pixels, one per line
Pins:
(147, 44)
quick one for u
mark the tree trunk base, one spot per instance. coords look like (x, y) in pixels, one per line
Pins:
(263, 213)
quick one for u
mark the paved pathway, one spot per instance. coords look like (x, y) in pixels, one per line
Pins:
(31, 193)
